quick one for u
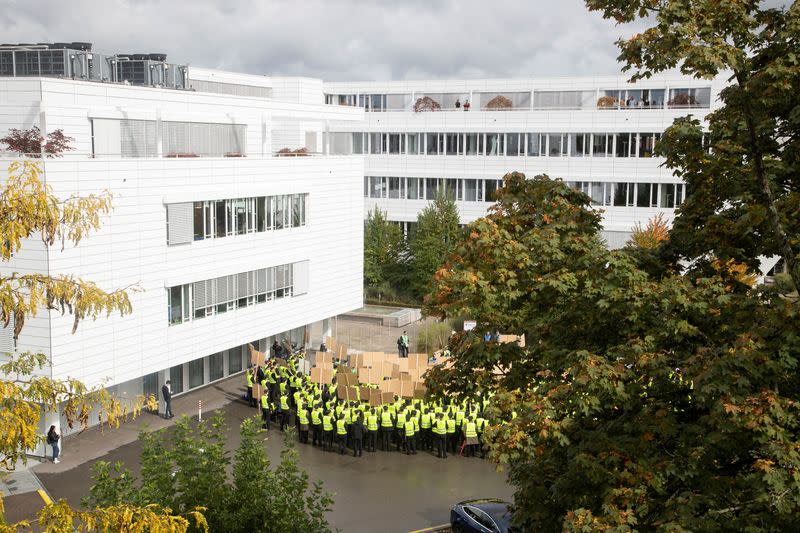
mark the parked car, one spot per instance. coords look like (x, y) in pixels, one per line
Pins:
(481, 516)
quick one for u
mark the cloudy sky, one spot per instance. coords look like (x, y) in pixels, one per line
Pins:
(336, 39)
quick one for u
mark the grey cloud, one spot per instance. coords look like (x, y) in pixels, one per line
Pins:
(337, 39)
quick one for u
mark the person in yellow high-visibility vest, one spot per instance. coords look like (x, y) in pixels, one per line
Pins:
(341, 434)
(327, 429)
(410, 431)
(372, 430)
(248, 376)
(471, 441)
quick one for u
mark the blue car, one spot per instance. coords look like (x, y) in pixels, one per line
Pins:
(481, 516)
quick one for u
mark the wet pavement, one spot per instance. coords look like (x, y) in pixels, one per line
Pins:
(379, 492)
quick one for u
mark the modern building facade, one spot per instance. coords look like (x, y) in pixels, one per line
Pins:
(462, 136)
(224, 238)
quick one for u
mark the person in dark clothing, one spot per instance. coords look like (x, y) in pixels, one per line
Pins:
(275, 350)
(358, 435)
(260, 374)
(52, 439)
(166, 394)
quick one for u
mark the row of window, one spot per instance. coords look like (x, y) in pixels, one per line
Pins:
(220, 295)
(621, 194)
(214, 219)
(526, 100)
(508, 144)
(139, 138)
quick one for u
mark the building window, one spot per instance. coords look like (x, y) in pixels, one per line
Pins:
(215, 366)
(196, 373)
(533, 145)
(473, 144)
(495, 144)
(686, 98)
(220, 295)
(176, 379)
(434, 144)
(235, 360)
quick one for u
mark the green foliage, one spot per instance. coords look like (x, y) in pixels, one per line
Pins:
(433, 336)
(663, 403)
(384, 256)
(745, 193)
(190, 471)
(435, 236)
(783, 283)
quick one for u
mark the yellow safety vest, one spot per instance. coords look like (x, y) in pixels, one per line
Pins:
(284, 403)
(471, 430)
(326, 423)
(386, 419)
(264, 401)
(341, 429)
(451, 425)
(410, 429)
(302, 415)
(372, 422)
(441, 427)
(426, 421)
(249, 377)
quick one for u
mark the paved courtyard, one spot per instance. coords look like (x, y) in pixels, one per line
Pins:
(380, 492)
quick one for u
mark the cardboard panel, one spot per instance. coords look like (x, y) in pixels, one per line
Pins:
(405, 376)
(321, 375)
(324, 359)
(385, 386)
(375, 397)
(256, 357)
(364, 393)
(352, 394)
(403, 364)
(351, 379)
(419, 394)
(406, 389)
(341, 391)
(387, 397)
(394, 386)
(365, 375)
(417, 360)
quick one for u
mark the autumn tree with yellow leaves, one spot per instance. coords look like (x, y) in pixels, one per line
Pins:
(29, 209)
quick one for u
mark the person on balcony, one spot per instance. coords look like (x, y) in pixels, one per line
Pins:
(458, 103)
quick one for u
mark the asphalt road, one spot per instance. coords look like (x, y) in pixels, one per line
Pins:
(379, 492)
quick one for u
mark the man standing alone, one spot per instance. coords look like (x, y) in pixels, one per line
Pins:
(166, 393)
(404, 345)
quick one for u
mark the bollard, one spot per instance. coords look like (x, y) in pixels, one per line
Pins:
(199, 410)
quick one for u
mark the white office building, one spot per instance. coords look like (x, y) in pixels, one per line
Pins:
(598, 134)
(226, 240)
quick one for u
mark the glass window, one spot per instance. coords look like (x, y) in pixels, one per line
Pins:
(683, 98)
(452, 143)
(234, 360)
(667, 199)
(196, 373)
(620, 194)
(580, 144)
(564, 99)
(358, 143)
(394, 188)
(279, 212)
(470, 189)
(512, 144)
(533, 145)
(197, 221)
(473, 144)
(240, 215)
(396, 142)
(596, 193)
(176, 379)
(556, 146)
(219, 215)
(450, 187)
(176, 304)
(430, 188)
(626, 144)
(261, 214)
(493, 101)
(413, 143)
(494, 144)
(376, 187)
(297, 210)
(433, 145)
(215, 366)
(414, 189)
(375, 143)
(643, 193)
(601, 145)
(647, 144)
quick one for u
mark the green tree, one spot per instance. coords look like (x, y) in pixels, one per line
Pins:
(384, 254)
(192, 472)
(664, 403)
(745, 193)
(433, 239)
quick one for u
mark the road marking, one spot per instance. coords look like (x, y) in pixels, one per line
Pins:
(45, 497)
(430, 529)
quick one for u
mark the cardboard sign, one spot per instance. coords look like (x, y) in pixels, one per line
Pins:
(256, 357)
(350, 379)
(403, 364)
(364, 393)
(406, 389)
(352, 394)
(324, 359)
(387, 397)
(405, 376)
(321, 376)
(417, 360)
(374, 397)
(341, 391)
(419, 394)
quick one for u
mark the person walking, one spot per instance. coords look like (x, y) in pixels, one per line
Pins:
(52, 439)
(166, 395)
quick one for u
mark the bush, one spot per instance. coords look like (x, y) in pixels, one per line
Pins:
(433, 336)
(783, 283)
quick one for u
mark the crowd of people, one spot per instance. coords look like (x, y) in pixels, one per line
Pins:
(289, 398)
